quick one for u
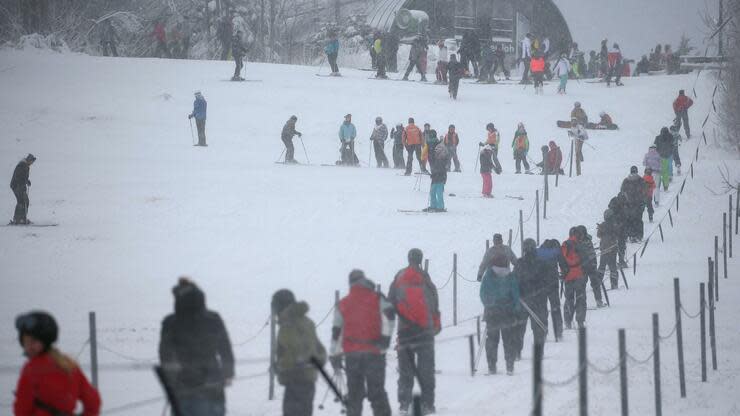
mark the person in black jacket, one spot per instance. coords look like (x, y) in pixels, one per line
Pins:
(618, 206)
(287, 137)
(634, 190)
(607, 233)
(195, 352)
(589, 263)
(397, 136)
(456, 70)
(19, 184)
(549, 253)
(532, 274)
(665, 146)
(238, 50)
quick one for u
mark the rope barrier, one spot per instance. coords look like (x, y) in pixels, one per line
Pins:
(253, 337)
(325, 316)
(449, 279)
(603, 371)
(82, 349)
(565, 382)
(688, 315)
(638, 361)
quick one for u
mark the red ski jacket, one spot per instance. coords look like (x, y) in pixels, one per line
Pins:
(451, 139)
(363, 321)
(573, 259)
(682, 103)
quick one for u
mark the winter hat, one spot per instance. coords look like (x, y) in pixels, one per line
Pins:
(39, 325)
(452, 126)
(529, 246)
(415, 256)
(281, 300)
(198, 94)
(294, 118)
(553, 144)
(577, 104)
(432, 137)
(188, 297)
(633, 169)
(681, 92)
(490, 126)
(544, 149)
(30, 158)
(356, 275)
(378, 119)
(411, 120)
(520, 125)
(648, 171)
(652, 146)
(664, 130)
(498, 239)
(348, 115)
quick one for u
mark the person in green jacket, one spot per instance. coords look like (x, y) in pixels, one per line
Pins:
(297, 343)
(520, 146)
(499, 293)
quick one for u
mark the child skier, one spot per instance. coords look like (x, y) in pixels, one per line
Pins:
(520, 146)
(650, 181)
(652, 162)
(486, 166)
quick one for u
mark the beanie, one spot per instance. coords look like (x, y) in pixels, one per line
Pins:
(38, 325)
(281, 300)
(415, 256)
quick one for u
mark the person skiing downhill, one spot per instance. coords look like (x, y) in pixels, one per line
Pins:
(378, 137)
(520, 147)
(200, 107)
(397, 136)
(452, 140)
(681, 106)
(438, 160)
(347, 134)
(50, 383)
(19, 184)
(287, 137)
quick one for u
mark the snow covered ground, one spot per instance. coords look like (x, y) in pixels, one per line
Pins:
(138, 206)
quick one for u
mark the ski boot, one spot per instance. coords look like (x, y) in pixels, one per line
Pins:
(600, 304)
(427, 410)
(509, 368)
(492, 371)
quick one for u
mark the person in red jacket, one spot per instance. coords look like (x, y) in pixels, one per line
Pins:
(650, 181)
(161, 38)
(575, 282)
(363, 326)
(554, 159)
(681, 107)
(51, 383)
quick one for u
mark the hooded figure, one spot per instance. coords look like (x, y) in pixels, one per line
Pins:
(532, 275)
(195, 351)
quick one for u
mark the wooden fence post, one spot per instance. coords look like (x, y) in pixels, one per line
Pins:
(703, 327)
(93, 350)
(656, 366)
(679, 336)
(623, 372)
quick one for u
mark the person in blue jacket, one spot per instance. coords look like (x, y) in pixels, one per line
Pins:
(332, 51)
(199, 112)
(549, 252)
(347, 134)
(499, 293)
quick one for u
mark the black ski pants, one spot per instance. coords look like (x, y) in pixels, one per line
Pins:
(453, 87)
(398, 162)
(499, 63)
(380, 158)
(289, 149)
(201, 126)
(238, 68)
(411, 66)
(538, 304)
(594, 277)
(332, 58)
(453, 158)
(575, 301)
(411, 149)
(682, 117)
(621, 244)
(298, 399)
(525, 75)
(486, 74)
(553, 297)
(162, 50)
(380, 60)
(421, 356)
(500, 325)
(366, 378)
(609, 258)
(521, 158)
(21, 204)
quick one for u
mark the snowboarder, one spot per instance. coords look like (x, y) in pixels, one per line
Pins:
(109, 39)
(199, 113)
(347, 134)
(526, 57)
(499, 62)
(615, 66)
(605, 120)
(19, 184)
(652, 161)
(380, 134)
(418, 48)
(562, 71)
(412, 141)
(664, 145)
(438, 160)
(486, 166)
(451, 140)
(443, 58)
(378, 47)
(160, 36)
(589, 263)
(50, 383)
(493, 138)
(531, 274)
(609, 245)
(499, 293)
(674, 129)
(549, 253)
(579, 114)
(634, 190)
(238, 51)
(681, 107)
(456, 71)
(650, 183)
(287, 137)
(520, 147)
(397, 135)
(332, 52)
(498, 248)
(579, 134)
(297, 345)
(415, 299)
(575, 282)
(195, 352)
(537, 66)
(364, 321)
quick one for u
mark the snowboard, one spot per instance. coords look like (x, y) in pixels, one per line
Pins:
(589, 126)
(33, 224)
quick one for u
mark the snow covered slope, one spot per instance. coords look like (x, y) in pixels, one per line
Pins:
(138, 206)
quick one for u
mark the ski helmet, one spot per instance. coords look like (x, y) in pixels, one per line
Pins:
(415, 256)
(356, 275)
(490, 126)
(30, 158)
(39, 325)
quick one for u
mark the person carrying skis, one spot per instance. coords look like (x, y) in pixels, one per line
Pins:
(331, 49)
(380, 134)
(412, 141)
(537, 66)
(650, 183)
(562, 71)
(364, 321)
(499, 293)
(486, 166)
(415, 59)
(498, 249)
(195, 352)
(681, 107)
(50, 383)
(456, 71)
(589, 263)
(297, 345)
(677, 139)
(652, 161)
(634, 190)
(579, 134)
(575, 282)
(287, 137)
(493, 138)
(200, 107)
(549, 253)
(397, 136)
(520, 147)
(238, 51)
(451, 140)
(19, 184)
(664, 145)
(531, 273)
(579, 114)
(415, 299)
(347, 134)
(615, 66)
(438, 160)
(443, 58)
(609, 245)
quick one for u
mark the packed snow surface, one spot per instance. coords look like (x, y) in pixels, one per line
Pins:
(138, 206)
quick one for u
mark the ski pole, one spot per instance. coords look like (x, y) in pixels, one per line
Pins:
(191, 131)
(280, 157)
(304, 150)
(369, 152)
(328, 380)
(533, 315)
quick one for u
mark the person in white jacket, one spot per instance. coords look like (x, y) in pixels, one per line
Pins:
(442, 61)
(562, 71)
(579, 134)
(526, 57)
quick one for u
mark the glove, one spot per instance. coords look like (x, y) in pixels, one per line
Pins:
(190, 116)
(336, 362)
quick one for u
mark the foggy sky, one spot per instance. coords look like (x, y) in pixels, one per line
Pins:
(637, 25)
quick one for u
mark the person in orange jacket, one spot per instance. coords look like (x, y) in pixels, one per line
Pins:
(451, 140)
(537, 67)
(492, 139)
(51, 383)
(413, 141)
(681, 107)
(650, 181)
(575, 281)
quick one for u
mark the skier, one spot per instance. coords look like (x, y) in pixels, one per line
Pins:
(579, 134)
(287, 137)
(575, 282)
(363, 325)
(50, 383)
(499, 62)
(238, 50)
(443, 57)
(397, 135)
(456, 71)
(415, 59)
(469, 52)
(615, 66)
(562, 71)
(378, 47)
(579, 114)
(589, 263)
(634, 190)
(438, 160)
(498, 249)
(451, 140)
(681, 107)
(652, 161)
(549, 253)
(674, 129)
(380, 134)
(200, 107)
(347, 134)
(486, 166)
(195, 352)
(412, 141)
(415, 299)
(664, 145)
(493, 139)
(109, 39)
(609, 245)
(297, 344)
(604, 59)
(161, 37)
(520, 147)
(537, 66)
(499, 293)
(526, 57)
(650, 183)
(531, 274)
(332, 52)
(19, 184)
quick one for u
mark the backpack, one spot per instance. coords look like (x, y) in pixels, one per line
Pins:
(412, 303)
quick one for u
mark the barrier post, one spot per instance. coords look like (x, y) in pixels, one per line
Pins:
(537, 380)
(623, 372)
(454, 288)
(679, 334)
(703, 327)
(656, 366)
(93, 350)
(582, 373)
(273, 351)
(471, 345)
(712, 344)
(537, 208)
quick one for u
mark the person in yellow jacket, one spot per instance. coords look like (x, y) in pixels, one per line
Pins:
(379, 56)
(520, 146)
